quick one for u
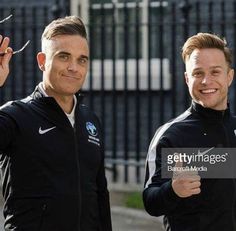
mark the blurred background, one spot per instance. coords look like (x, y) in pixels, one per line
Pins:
(135, 81)
(136, 76)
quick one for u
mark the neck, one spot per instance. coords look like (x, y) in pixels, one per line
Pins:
(66, 103)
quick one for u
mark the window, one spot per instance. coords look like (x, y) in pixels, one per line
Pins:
(119, 32)
(125, 26)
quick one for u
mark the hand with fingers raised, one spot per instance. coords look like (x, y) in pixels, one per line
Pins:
(5, 59)
(185, 182)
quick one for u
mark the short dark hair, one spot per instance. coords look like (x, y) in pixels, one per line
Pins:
(206, 40)
(69, 25)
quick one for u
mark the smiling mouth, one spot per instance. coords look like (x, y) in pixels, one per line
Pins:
(70, 77)
(208, 91)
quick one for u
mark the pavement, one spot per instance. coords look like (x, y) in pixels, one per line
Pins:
(125, 219)
(128, 219)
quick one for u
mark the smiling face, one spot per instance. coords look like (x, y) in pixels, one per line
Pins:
(64, 62)
(208, 77)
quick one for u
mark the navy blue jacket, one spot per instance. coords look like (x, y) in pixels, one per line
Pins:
(53, 174)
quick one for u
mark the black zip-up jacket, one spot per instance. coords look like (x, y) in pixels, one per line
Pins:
(53, 174)
(214, 209)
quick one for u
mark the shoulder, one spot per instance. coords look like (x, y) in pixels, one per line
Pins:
(86, 111)
(172, 125)
(172, 129)
(86, 115)
(14, 108)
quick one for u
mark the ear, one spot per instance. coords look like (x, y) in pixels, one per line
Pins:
(41, 58)
(230, 76)
(186, 77)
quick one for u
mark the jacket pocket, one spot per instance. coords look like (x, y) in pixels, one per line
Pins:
(27, 213)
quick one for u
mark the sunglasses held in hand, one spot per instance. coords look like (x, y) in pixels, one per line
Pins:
(17, 51)
(5, 19)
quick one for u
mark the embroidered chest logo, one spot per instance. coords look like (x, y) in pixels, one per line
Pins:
(43, 131)
(92, 131)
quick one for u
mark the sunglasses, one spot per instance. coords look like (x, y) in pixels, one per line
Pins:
(16, 51)
(5, 19)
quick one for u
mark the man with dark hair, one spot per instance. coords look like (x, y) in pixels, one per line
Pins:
(52, 151)
(187, 201)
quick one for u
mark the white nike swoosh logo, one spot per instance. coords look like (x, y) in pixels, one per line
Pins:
(41, 131)
(203, 153)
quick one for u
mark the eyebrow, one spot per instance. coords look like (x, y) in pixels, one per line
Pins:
(84, 57)
(200, 68)
(62, 53)
(67, 53)
(217, 67)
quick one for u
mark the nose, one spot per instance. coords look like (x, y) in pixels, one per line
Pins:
(72, 66)
(206, 79)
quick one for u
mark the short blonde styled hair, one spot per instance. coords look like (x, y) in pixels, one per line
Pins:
(206, 40)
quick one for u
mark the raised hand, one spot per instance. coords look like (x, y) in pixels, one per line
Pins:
(5, 59)
(185, 183)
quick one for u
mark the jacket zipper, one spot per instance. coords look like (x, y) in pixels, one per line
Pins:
(78, 175)
(42, 216)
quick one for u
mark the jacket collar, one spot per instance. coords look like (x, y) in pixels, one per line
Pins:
(210, 114)
(38, 94)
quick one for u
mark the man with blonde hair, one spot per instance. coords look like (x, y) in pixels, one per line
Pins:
(188, 201)
(51, 144)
